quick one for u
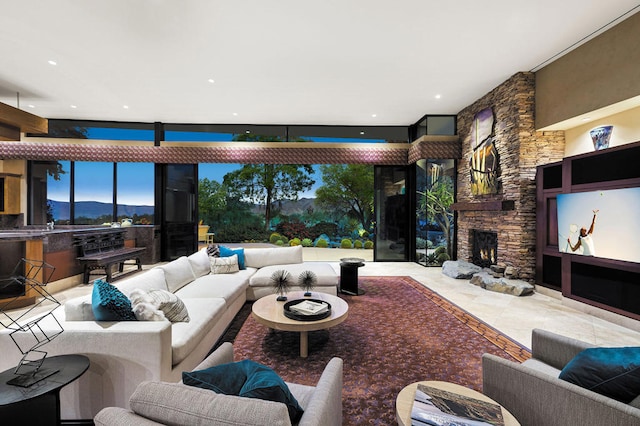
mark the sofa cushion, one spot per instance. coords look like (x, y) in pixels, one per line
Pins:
(224, 265)
(186, 336)
(152, 279)
(110, 304)
(178, 273)
(227, 286)
(247, 379)
(325, 274)
(177, 404)
(228, 252)
(613, 372)
(261, 257)
(200, 262)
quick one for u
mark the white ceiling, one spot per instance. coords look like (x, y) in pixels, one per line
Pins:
(332, 62)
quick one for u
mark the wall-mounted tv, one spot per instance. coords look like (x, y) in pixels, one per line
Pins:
(600, 223)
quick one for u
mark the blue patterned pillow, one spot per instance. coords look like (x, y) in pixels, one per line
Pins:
(110, 304)
(248, 379)
(613, 372)
(227, 252)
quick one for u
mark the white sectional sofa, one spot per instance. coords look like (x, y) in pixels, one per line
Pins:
(126, 353)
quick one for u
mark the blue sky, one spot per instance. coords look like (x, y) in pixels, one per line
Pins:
(94, 181)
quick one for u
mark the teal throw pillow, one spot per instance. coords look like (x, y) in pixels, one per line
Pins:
(613, 372)
(228, 252)
(247, 379)
(110, 304)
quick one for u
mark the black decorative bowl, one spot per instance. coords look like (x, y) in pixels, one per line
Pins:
(304, 317)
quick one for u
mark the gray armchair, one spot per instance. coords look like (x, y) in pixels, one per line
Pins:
(157, 403)
(534, 394)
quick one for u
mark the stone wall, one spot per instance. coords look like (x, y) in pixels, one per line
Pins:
(520, 149)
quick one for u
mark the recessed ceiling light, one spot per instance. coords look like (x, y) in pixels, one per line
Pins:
(211, 80)
(247, 131)
(235, 114)
(52, 63)
(31, 106)
(362, 133)
(125, 106)
(438, 96)
(374, 115)
(73, 106)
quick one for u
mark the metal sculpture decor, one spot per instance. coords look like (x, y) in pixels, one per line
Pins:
(484, 158)
(280, 282)
(26, 331)
(307, 281)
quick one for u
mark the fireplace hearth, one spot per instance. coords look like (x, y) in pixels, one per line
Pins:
(484, 248)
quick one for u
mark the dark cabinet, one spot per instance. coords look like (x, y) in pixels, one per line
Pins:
(607, 283)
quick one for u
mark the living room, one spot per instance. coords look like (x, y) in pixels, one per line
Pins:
(538, 118)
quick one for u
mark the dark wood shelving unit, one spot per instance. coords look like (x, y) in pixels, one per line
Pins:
(613, 285)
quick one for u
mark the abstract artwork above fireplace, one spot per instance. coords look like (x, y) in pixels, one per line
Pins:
(483, 163)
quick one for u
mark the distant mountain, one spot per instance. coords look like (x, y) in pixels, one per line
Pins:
(94, 209)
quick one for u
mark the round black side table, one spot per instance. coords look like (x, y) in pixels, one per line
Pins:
(39, 404)
(349, 275)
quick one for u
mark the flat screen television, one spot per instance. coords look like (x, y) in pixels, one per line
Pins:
(603, 224)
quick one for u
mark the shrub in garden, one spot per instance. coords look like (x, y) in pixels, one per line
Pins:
(440, 250)
(320, 228)
(357, 244)
(274, 237)
(421, 243)
(279, 243)
(442, 257)
(322, 243)
(346, 243)
(294, 242)
(368, 244)
(307, 242)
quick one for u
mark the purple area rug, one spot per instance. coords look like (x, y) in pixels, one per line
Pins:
(397, 333)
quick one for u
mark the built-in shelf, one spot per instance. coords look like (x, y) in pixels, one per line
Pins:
(608, 284)
(13, 121)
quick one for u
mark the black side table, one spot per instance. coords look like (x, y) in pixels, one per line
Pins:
(349, 275)
(39, 404)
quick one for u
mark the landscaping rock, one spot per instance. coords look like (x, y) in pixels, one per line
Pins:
(459, 269)
(502, 285)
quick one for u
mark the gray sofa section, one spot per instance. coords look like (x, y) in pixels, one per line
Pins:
(534, 394)
(158, 403)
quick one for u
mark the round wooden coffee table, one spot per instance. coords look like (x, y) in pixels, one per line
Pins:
(270, 312)
(404, 401)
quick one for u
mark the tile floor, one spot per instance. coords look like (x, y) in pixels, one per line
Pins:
(514, 316)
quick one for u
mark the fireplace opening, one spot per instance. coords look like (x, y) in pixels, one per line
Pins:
(484, 248)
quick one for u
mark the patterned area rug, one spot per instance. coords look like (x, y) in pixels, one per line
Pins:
(397, 333)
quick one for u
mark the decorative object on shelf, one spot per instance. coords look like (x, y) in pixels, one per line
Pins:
(281, 284)
(307, 281)
(307, 309)
(601, 137)
(29, 336)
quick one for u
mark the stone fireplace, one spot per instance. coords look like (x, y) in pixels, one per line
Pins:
(510, 212)
(484, 248)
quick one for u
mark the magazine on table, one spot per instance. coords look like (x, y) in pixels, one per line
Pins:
(309, 307)
(437, 407)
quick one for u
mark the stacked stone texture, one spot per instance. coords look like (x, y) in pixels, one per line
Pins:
(520, 149)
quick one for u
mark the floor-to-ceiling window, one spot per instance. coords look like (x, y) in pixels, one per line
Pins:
(435, 180)
(392, 213)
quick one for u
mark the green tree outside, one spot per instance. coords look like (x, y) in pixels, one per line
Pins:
(348, 190)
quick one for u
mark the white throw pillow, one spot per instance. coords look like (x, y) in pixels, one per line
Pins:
(224, 265)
